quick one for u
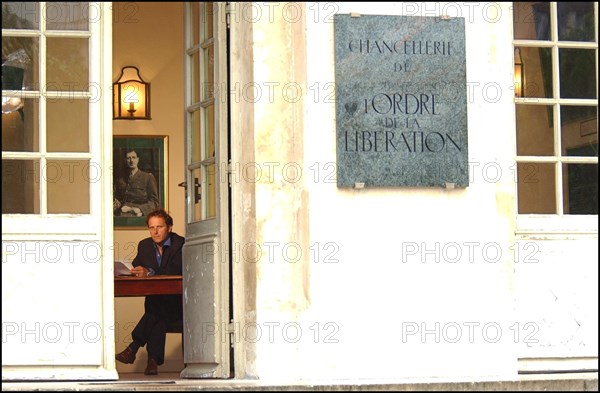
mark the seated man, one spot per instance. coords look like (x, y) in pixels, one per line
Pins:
(159, 254)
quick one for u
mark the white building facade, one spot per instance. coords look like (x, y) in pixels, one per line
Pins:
(302, 279)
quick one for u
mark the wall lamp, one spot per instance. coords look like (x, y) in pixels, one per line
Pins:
(131, 96)
(519, 74)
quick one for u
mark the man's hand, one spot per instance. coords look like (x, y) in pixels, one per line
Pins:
(135, 210)
(140, 271)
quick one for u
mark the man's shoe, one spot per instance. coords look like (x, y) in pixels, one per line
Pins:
(151, 367)
(127, 356)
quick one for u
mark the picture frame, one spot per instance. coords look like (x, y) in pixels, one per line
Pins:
(134, 196)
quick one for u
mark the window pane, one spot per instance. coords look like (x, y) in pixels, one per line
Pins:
(196, 136)
(208, 20)
(577, 73)
(579, 131)
(537, 71)
(536, 188)
(20, 124)
(68, 186)
(535, 134)
(196, 196)
(19, 63)
(195, 25)
(211, 192)
(20, 187)
(531, 21)
(20, 15)
(580, 188)
(69, 15)
(67, 64)
(209, 66)
(196, 87)
(209, 117)
(67, 136)
(575, 21)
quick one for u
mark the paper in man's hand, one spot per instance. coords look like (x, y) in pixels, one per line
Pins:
(123, 268)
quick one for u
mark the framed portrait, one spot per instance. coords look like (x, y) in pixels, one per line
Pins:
(140, 178)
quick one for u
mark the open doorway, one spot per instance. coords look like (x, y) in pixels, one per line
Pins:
(181, 50)
(144, 37)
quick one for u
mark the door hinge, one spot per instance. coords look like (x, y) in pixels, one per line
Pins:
(229, 173)
(231, 332)
(228, 7)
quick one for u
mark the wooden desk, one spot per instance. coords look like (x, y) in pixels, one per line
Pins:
(142, 286)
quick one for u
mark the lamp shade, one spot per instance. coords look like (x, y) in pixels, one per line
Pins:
(131, 96)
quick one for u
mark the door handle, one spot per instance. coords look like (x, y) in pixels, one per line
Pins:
(197, 193)
(197, 186)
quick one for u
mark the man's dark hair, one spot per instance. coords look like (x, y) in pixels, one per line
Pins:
(162, 214)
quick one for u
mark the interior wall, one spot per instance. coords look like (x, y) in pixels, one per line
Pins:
(150, 37)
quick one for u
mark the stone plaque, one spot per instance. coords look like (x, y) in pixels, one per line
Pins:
(401, 101)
